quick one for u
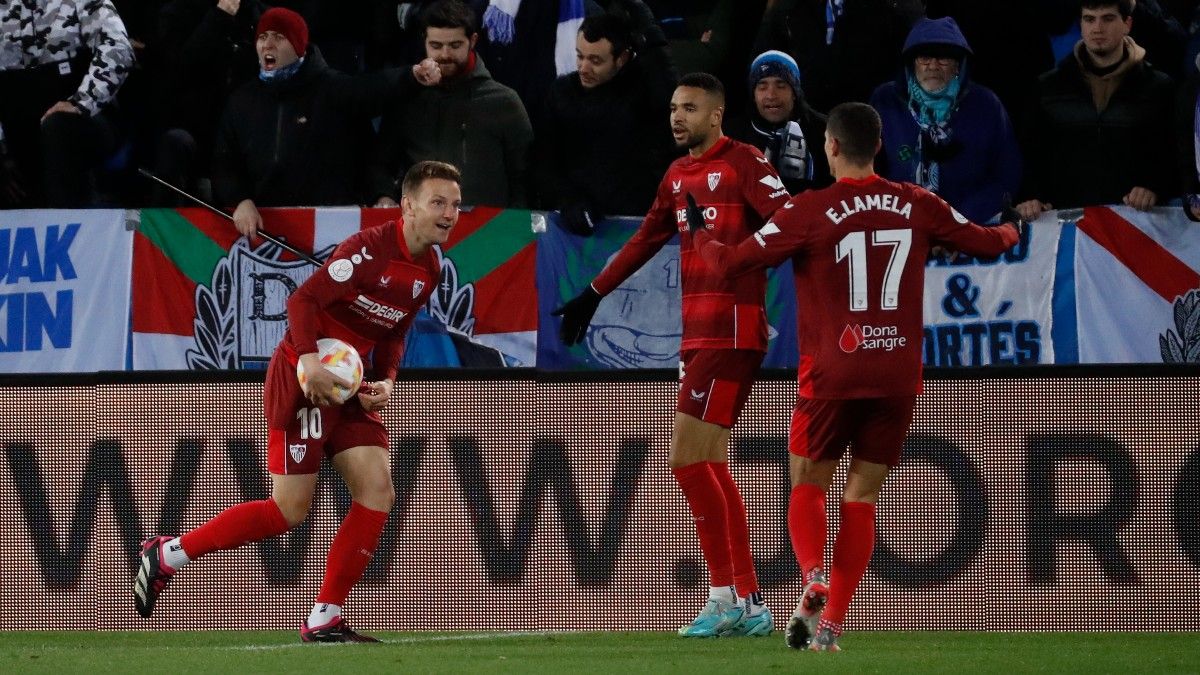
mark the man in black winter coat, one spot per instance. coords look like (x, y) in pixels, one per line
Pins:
(296, 135)
(604, 139)
(1101, 131)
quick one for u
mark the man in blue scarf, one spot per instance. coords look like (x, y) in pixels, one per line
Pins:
(944, 132)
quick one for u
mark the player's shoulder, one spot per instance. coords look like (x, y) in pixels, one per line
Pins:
(744, 154)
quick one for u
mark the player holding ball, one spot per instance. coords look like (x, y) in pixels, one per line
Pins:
(365, 295)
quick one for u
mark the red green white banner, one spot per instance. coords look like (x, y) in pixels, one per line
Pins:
(204, 298)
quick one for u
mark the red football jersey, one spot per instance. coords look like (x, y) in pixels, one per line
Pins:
(738, 190)
(858, 250)
(366, 294)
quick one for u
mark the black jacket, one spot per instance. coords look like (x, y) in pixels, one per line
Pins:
(208, 54)
(1079, 156)
(606, 148)
(301, 142)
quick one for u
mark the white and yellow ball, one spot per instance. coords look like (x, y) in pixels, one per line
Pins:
(341, 359)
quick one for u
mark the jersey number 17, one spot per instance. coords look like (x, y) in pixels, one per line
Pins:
(853, 248)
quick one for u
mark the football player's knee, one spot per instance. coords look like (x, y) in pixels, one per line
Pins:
(378, 493)
(294, 509)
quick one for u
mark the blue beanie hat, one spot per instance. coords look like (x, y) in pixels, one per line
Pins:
(775, 63)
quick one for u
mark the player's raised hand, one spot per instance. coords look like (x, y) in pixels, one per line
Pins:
(374, 395)
(320, 383)
(695, 217)
(577, 316)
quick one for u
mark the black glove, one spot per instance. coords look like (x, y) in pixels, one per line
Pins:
(577, 315)
(579, 220)
(1008, 214)
(695, 217)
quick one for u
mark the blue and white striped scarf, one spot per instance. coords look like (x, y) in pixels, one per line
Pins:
(500, 17)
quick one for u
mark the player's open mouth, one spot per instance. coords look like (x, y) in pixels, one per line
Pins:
(268, 62)
(444, 226)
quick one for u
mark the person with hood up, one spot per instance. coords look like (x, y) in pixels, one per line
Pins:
(944, 132)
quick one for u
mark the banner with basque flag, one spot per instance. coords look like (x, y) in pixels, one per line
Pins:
(204, 298)
(1137, 287)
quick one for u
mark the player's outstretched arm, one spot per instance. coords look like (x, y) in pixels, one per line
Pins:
(951, 229)
(577, 315)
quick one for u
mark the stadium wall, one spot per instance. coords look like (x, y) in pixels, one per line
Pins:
(1065, 501)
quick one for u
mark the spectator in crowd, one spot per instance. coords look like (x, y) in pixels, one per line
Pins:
(469, 120)
(210, 52)
(603, 142)
(1010, 73)
(944, 132)
(1097, 135)
(294, 135)
(783, 125)
(61, 64)
(1187, 137)
(845, 48)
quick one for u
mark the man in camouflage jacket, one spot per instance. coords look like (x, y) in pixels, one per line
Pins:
(61, 64)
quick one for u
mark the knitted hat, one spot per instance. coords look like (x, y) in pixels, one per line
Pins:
(288, 24)
(775, 63)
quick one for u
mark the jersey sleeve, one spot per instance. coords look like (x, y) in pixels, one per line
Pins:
(656, 230)
(949, 227)
(761, 186)
(777, 240)
(388, 353)
(323, 289)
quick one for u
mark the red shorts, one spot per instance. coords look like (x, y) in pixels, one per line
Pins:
(715, 383)
(300, 433)
(874, 428)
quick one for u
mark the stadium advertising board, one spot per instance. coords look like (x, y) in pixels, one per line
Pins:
(1021, 504)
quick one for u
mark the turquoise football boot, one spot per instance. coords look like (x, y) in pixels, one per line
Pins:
(716, 618)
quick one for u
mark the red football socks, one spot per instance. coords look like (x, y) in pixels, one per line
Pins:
(851, 553)
(351, 551)
(235, 526)
(807, 526)
(707, 502)
(744, 577)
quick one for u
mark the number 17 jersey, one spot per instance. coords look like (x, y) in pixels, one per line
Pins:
(858, 252)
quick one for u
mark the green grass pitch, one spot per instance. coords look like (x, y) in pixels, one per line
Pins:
(893, 653)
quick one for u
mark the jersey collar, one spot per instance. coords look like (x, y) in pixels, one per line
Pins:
(717, 147)
(873, 178)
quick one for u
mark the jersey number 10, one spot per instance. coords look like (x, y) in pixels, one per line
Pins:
(853, 247)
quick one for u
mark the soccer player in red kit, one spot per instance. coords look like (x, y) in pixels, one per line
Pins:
(858, 251)
(724, 338)
(366, 294)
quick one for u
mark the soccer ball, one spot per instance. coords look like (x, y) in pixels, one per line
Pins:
(341, 359)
